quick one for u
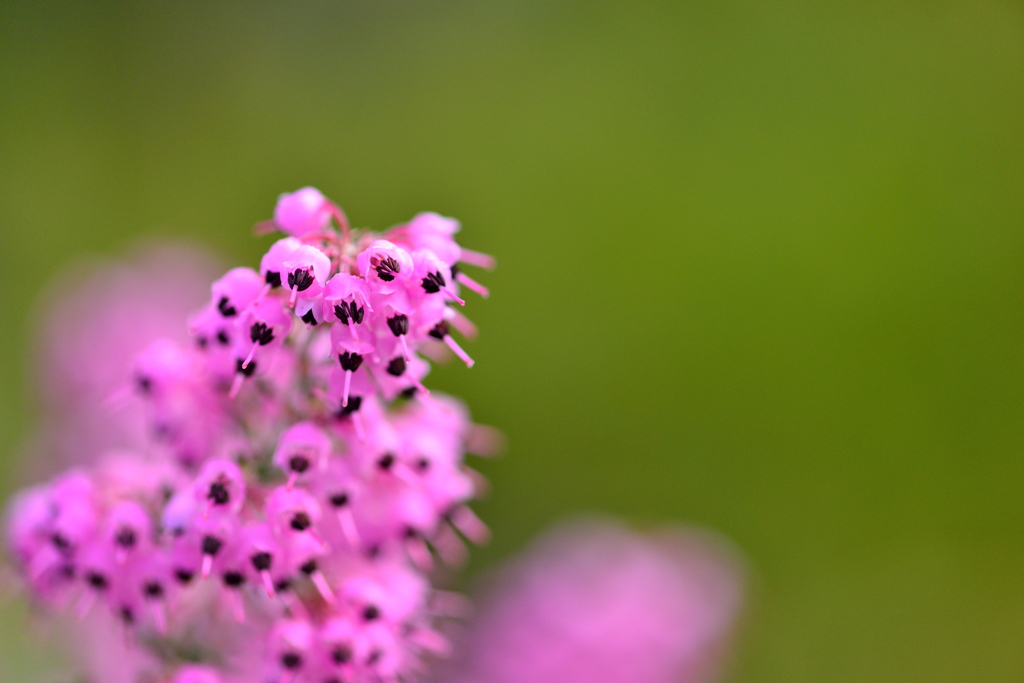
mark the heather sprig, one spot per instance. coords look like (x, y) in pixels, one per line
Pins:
(300, 479)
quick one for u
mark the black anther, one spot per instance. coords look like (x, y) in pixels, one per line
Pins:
(125, 537)
(262, 561)
(301, 521)
(219, 493)
(399, 324)
(396, 367)
(386, 267)
(261, 333)
(225, 307)
(97, 581)
(440, 330)
(350, 361)
(354, 402)
(233, 579)
(211, 545)
(433, 282)
(247, 370)
(300, 279)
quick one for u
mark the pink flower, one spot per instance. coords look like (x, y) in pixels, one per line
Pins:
(286, 487)
(592, 601)
(96, 319)
(279, 511)
(302, 212)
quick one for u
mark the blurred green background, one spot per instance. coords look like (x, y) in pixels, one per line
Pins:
(761, 265)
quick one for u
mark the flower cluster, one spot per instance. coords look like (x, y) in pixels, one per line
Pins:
(283, 522)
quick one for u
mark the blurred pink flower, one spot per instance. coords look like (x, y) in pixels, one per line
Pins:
(97, 318)
(592, 601)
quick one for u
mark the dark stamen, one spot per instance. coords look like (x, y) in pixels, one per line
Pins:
(371, 613)
(246, 371)
(308, 568)
(225, 308)
(301, 521)
(300, 279)
(219, 493)
(353, 406)
(309, 318)
(262, 561)
(211, 545)
(153, 590)
(97, 581)
(399, 324)
(184, 576)
(261, 333)
(125, 537)
(233, 579)
(386, 461)
(347, 310)
(440, 330)
(433, 282)
(386, 267)
(273, 279)
(341, 654)
(222, 337)
(291, 661)
(396, 367)
(339, 500)
(350, 361)
(408, 392)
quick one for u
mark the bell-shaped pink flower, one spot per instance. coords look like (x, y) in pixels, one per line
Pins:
(385, 266)
(290, 648)
(272, 265)
(220, 488)
(594, 602)
(431, 275)
(306, 270)
(301, 448)
(128, 530)
(346, 300)
(234, 292)
(264, 324)
(302, 212)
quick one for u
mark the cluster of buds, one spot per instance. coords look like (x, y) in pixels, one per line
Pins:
(301, 479)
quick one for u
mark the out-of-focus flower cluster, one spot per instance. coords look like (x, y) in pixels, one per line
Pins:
(299, 479)
(592, 601)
